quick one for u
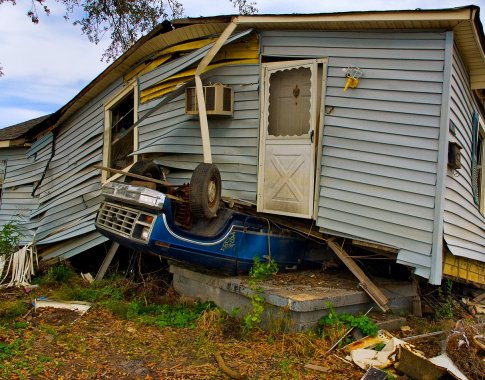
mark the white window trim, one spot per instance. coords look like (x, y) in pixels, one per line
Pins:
(129, 87)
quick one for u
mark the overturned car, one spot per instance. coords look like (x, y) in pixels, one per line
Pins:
(190, 224)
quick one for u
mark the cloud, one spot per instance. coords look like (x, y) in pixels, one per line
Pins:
(47, 64)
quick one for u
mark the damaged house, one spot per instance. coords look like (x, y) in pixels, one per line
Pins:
(367, 126)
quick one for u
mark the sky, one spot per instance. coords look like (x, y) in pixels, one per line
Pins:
(48, 63)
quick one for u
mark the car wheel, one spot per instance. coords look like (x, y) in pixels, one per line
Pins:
(205, 191)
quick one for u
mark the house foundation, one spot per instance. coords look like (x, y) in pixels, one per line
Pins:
(294, 301)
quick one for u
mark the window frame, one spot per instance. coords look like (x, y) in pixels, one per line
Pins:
(131, 86)
(481, 185)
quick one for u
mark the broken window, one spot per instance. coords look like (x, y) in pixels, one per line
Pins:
(120, 133)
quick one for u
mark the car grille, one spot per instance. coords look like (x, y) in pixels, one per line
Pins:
(116, 218)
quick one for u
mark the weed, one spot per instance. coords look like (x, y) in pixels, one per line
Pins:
(20, 325)
(58, 273)
(12, 309)
(344, 321)
(259, 271)
(9, 238)
(8, 350)
(445, 310)
(167, 315)
(262, 270)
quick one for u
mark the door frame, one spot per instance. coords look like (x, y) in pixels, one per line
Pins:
(316, 117)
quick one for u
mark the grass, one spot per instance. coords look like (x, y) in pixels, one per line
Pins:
(137, 327)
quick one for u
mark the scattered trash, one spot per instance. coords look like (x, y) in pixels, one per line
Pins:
(87, 277)
(380, 351)
(80, 307)
(415, 365)
(20, 266)
(374, 374)
(444, 361)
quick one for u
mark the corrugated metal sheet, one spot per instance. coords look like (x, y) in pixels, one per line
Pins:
(464, 226)
(380, 144)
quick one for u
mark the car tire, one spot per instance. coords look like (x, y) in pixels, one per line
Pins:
(205, 191)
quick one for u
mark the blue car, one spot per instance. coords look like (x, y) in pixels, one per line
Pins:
(144, 219)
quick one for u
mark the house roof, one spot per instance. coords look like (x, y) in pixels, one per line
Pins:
(463, 21)
(18, 131)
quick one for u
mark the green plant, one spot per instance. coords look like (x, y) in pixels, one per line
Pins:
(10, 236)
(258, 272)
(262, 270)
(334, 320)
(60, 272)
(9, 310)
(445, 297)
(167, 315)
(8, 350)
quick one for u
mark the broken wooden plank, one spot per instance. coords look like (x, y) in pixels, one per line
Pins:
(365, 282)
(107, 261)
(137, 176)
(318, 368)
(377, 248)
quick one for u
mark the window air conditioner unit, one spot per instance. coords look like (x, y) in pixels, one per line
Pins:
(219, 100)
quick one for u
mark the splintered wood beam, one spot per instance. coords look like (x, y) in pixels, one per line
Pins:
(365, 282)
(377, 248)
(137, 176)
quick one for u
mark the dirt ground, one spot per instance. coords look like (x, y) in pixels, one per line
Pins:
(60, 344)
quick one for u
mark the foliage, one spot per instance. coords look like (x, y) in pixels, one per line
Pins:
(445, 310)
(262, 270)
(259, 271)
(60, 272)
(9, 238)
(166, 315)
(362, 322)
(11, 309)
(125, 21)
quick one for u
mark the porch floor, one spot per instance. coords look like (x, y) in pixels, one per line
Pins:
(295, 301)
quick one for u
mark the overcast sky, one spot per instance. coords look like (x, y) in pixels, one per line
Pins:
(47, 64)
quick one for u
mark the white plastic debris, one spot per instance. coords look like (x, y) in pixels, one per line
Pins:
(80, 307)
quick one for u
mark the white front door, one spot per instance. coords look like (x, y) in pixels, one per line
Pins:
(287, 139)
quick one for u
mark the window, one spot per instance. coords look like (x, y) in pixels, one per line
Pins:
(120, 135)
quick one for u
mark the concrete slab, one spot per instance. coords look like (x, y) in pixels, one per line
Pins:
(295, 301)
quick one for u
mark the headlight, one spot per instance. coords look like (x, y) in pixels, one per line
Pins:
(145, 233)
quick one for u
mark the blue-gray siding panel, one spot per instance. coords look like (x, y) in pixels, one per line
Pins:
(464, 226)
(175, 137)
(380, 143)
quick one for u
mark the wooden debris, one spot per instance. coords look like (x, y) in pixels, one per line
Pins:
(229, 372)
(374, 374)
(318, 368)
(369, 287)
(422, 336)
(137, 176)
(418, 367)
